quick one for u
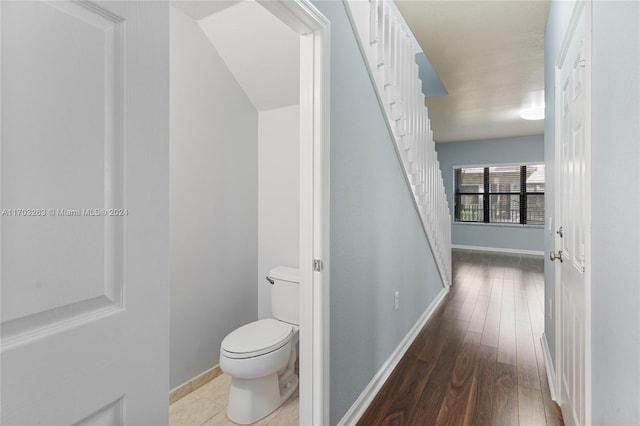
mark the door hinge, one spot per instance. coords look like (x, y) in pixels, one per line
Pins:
(317, 265)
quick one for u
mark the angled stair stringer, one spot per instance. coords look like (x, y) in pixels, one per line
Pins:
(390, 59)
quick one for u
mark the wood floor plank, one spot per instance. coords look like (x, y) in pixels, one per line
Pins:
(487, 360)
(527, 365)
(479, 315)
(407, 384)
(534, 286)
(431, 398)
(530, 407)
(478, 360)
(505, 411)
(536, 308)
(459, 401)
(526, 361)
(507, 338)
(469, 303)
(491, 331)
(551, 409)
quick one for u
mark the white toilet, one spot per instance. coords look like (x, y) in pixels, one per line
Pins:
(260, 356)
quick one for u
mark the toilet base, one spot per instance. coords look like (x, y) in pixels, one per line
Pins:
(252, 399)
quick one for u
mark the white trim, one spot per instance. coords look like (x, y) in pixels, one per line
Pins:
(587, 195)
(554, 225)
(313, 28)
(548, 367)
(361, 404)
(498, 249)
(499, 224)
(483, 165)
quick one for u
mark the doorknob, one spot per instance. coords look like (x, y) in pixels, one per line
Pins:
(553, 256)
(560, 231)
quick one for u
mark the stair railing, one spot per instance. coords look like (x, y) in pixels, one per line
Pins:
(389, 54)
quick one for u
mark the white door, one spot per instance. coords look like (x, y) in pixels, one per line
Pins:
(84, 200)
(572, 218)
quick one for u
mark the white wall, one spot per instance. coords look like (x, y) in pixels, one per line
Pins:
(214, 202)
(278, 196)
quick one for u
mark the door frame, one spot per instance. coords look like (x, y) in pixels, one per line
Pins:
(314, 30)
(581, 6)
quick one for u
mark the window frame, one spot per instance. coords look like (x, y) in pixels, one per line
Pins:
(486, 195)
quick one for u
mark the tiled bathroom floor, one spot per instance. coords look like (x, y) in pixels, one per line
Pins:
(207, 406)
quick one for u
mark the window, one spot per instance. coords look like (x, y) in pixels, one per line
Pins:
(500, 194)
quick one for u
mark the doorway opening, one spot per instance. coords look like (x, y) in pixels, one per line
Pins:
(249, 179)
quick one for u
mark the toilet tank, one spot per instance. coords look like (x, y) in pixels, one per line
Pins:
(285, 294)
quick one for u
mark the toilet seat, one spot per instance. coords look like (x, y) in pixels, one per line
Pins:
(257, 338)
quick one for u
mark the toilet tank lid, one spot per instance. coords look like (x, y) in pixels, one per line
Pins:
(285, 273)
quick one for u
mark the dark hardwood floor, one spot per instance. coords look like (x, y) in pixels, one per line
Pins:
(478, 360)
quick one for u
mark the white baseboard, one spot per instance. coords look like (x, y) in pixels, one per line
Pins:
(371, 390)
(548, 367)
(498, 249)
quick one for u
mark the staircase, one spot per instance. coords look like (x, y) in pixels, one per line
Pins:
(390, 58)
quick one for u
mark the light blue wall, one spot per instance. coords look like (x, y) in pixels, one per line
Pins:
(616, 213)
(377, 243)
(615, 288)
(496, 151)
(431, 83)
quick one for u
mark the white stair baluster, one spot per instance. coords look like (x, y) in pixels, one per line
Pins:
(389, 55)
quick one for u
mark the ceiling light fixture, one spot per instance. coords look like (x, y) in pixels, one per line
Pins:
(532, 114)
(533, 106)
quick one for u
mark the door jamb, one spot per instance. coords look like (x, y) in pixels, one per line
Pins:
(314, 30)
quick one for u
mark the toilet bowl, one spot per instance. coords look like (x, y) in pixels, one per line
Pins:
(260, 356)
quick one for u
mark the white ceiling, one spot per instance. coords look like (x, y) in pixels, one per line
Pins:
(260, 51)
(198, 9)
(490, 57)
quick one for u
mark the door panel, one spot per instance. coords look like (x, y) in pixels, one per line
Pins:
(572, 185)
(84, 167)
(61, 118)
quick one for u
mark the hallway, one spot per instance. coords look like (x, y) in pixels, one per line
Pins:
(478, 360)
